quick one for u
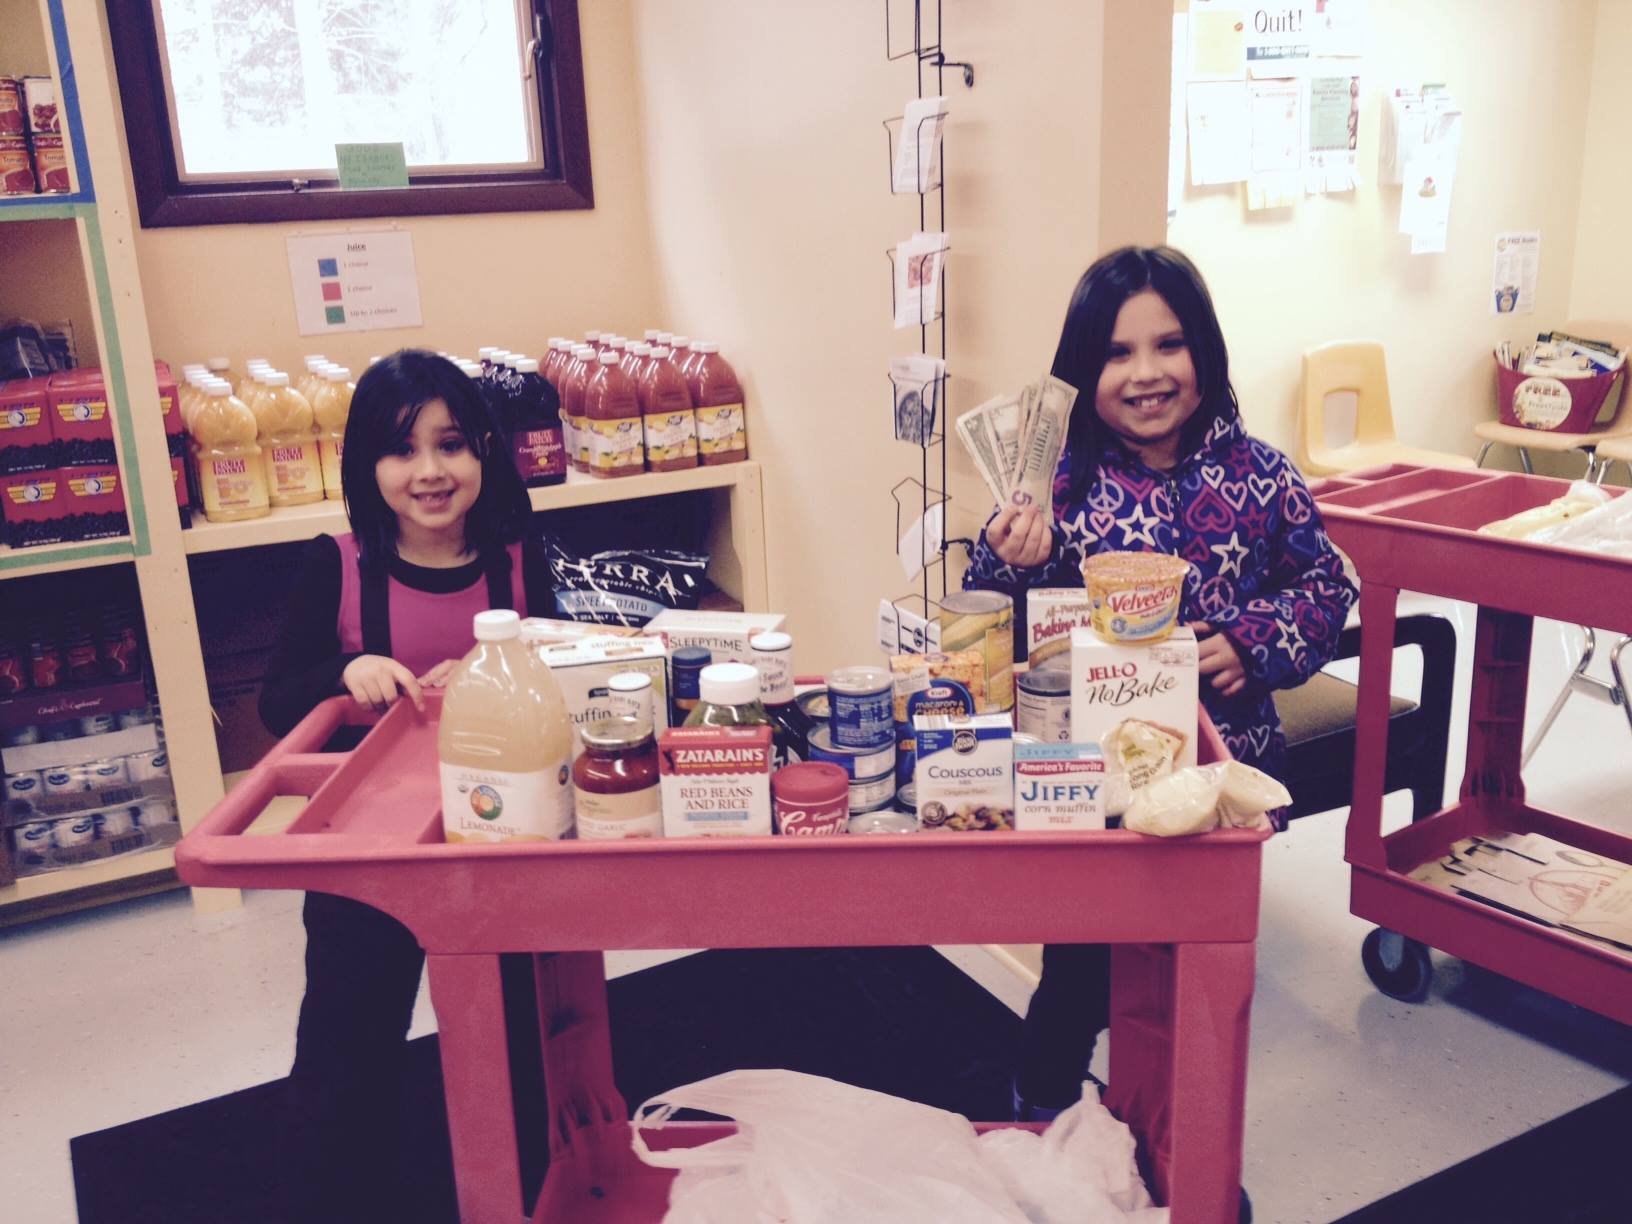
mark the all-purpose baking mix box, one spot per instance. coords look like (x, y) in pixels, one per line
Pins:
(1051, 614)
(1137, 702)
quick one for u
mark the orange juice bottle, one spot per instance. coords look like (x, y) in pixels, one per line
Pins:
(294, 469)
(505, 742)
(231, 473)
(329, 412)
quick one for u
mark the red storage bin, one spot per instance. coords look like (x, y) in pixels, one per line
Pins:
(371, 830)
(1555, 405)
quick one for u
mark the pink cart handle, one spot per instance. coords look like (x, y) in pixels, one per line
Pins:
(293, 767)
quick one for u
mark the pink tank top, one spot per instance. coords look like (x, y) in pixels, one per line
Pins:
(424, 627)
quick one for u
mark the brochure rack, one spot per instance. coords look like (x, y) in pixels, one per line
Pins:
(916, 496)
(1415, 528)
(371, 830)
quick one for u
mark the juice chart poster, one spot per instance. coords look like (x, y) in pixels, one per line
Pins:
(358, 281)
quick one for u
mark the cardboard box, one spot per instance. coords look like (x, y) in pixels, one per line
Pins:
(964, 776)
(545, 631)
(169, 400)
(1058, 787)
(26, 441)
(81, 417)
(36, 508)
(716, 781)
(40, 101)
(1051, 614)
(723, 634)
(583, 668)
(1138, 703)
(96, 502)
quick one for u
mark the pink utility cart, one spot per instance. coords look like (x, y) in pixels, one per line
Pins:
(1415, 528)
(1184, 915)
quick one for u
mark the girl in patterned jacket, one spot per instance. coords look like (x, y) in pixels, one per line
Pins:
(1156, 460)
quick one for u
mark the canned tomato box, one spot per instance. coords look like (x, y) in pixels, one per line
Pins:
(965, 772)
(16, 167)
(716, 781)
(1058, 787)
(11, 107)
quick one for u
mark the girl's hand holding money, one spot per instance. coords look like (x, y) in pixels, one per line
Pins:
(1021, 536)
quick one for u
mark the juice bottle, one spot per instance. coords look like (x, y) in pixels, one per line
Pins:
(232, 475)
(221, 367)
(535, 429)
(593, 339)
(309, 381)
(722, 425)
(683, 356)
(293, 468)
(665, 407)
(613, 422)
(583, 364)
(634, 364)
(505, 742)
(329, 412)
(552, 363)
(730, 697)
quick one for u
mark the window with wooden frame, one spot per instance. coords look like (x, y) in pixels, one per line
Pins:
(233, 108)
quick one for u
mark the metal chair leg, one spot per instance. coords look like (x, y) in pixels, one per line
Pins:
(1621, 695)
(1579, 682)
(1485, 450)
(1524, 461)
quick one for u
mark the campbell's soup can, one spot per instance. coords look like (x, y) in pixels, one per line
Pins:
(11, 106)
(16, 167)
(24, 785)
(811, 798)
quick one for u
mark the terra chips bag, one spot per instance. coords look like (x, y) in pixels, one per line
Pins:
(625, 586)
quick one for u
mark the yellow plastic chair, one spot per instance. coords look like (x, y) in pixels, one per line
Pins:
(1356, 366)
(1591, 443)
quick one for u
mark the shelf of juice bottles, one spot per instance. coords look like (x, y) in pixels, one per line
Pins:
(303, 522)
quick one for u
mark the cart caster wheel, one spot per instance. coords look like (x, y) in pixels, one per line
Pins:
(1397, 966)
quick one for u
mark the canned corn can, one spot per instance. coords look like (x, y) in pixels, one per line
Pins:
(983, 621)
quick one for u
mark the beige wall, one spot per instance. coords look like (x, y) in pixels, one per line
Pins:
(1602, 288)
(1336, 267)
(513, 279)
(771, 215)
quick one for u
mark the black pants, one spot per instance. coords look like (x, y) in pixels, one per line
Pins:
(362, 974)
(1069, 1009)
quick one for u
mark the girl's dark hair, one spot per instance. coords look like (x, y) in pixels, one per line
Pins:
(388, 400)
(1085, 339)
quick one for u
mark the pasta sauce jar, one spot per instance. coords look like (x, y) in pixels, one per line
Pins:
(615, 778)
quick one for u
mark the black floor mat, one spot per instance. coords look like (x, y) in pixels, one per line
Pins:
(900, 1020)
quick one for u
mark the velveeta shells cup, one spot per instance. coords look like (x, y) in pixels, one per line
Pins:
(1134, 596)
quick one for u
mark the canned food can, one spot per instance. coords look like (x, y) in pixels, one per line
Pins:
(98, 724)
(870, 794)
(110, 771)
(811, 798)
(152, 812)
(906, 800)
(11, 107)
(629, 695)
(883, 821)
(154, 763)
(16, 167)
(141, 716)
(57, 732)
(1042, 704)
(26, 784)
(816, 706)
(116, 822)
(75, 831)
(862, 700)
(66, 781)
(50, 164)
(33, 841)
(21, 737)
(856, 762)
(983, 621)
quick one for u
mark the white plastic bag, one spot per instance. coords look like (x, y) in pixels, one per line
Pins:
(811, 1150)
(1201, 797)
(1080, 1170)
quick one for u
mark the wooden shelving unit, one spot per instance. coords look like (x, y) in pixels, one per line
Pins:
(157, 546)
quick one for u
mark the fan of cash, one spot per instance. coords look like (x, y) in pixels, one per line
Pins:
(1016, 440)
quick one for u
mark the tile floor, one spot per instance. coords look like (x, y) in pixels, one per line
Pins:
(116, 1014)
